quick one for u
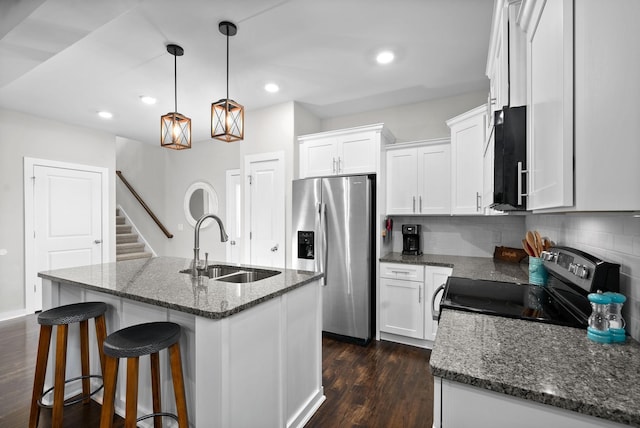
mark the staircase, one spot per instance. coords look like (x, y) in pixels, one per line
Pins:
(127, 245)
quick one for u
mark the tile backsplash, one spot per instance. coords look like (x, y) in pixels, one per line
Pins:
(614, 237)
(462, 236)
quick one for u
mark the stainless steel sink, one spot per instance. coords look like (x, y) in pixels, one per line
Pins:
(234, 274)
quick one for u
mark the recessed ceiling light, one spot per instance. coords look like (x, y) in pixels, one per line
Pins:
(271, 87)
(105, 114)
(385, 57)
(147, 99)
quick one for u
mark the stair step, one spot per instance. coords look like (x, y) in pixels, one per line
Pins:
(123, 228)
(123, 238)
(130, 247)
(120, 219)
(132, 256)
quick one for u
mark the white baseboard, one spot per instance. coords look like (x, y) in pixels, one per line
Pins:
(4, 316)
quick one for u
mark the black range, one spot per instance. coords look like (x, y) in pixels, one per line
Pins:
(573, 274)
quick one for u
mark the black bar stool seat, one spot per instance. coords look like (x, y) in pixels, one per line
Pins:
(61, 317)
(132, 343)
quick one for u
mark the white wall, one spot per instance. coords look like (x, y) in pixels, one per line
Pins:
(23, 135)
(161, 177)
(412, 122)
(613, 237)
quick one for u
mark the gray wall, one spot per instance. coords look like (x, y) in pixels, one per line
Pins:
(22, 136)
(412, 122)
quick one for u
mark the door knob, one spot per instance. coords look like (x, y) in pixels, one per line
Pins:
(274, 248)
(232, 242)
(98, 241)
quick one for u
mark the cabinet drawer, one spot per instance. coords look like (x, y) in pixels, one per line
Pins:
(402, 271)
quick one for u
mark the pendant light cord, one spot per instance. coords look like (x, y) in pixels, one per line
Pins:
(175, 82)
(227, 67)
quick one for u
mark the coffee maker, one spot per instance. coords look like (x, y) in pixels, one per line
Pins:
(411, 239)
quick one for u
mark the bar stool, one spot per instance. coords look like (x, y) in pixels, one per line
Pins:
(61, 317)
(131, 343)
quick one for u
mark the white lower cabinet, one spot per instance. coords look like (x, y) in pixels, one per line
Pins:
(405, 302)
(484, 408)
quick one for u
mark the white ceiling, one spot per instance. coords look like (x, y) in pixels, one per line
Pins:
(68, 59)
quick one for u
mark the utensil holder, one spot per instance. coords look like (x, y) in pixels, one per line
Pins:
(537, 272)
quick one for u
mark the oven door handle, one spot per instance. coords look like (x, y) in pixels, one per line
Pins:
(435, 314)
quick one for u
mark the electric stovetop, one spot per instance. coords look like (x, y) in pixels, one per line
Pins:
(522, 301)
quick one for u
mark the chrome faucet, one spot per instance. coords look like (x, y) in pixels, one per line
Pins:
(196, 239)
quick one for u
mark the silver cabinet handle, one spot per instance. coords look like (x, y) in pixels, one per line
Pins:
(414, 204)
(435, 314)
(232, 242)
(274, 248)
(98, 241)
(521, 193)
(420, 295)
(420, 203)
(334, 166)
(339, 164)
(478, 201)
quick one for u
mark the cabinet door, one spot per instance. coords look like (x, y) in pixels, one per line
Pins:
(356, 154)
(434, 277)
(467, 141)
(318, 158)
(434, 179)
(402, 307)
(550, 112)
(488, 161)
(402, 187)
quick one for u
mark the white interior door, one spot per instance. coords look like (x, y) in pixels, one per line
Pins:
(265, 209)
(234, 216)
(65, 221)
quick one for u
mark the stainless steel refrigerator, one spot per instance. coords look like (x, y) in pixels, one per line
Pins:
(333, 233)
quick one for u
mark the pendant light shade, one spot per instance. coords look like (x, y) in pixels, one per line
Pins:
(227, 116)
(175, 128)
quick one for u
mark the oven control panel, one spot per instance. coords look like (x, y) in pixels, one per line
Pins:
(581, 269)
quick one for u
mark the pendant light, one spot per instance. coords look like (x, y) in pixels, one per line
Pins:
(227, 116)
(175, 128)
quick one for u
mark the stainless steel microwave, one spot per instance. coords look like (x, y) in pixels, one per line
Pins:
(510, 138)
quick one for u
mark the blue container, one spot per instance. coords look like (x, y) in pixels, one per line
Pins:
(537, 272)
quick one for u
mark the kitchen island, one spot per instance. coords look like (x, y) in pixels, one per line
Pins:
(252, 351)
(509, 372)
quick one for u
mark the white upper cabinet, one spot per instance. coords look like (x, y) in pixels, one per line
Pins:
(343, 152)
(550, 108)
(318, 157)
(506, 60)
(402, 181)
(418, 178)
(467, 143)
(582, 66)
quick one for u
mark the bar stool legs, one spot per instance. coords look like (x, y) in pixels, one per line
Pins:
(178, 384)
(131, 343)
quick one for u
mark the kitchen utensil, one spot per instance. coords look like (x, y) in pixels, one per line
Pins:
(539, 242)
(531, 240)
(527, 248)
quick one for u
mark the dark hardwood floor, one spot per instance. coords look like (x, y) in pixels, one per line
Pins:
(383, 385)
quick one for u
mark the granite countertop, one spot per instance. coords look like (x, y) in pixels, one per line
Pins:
(545, 363)
(157, 281)
(468, 267)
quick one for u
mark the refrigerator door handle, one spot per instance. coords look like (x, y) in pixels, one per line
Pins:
(324, 245)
